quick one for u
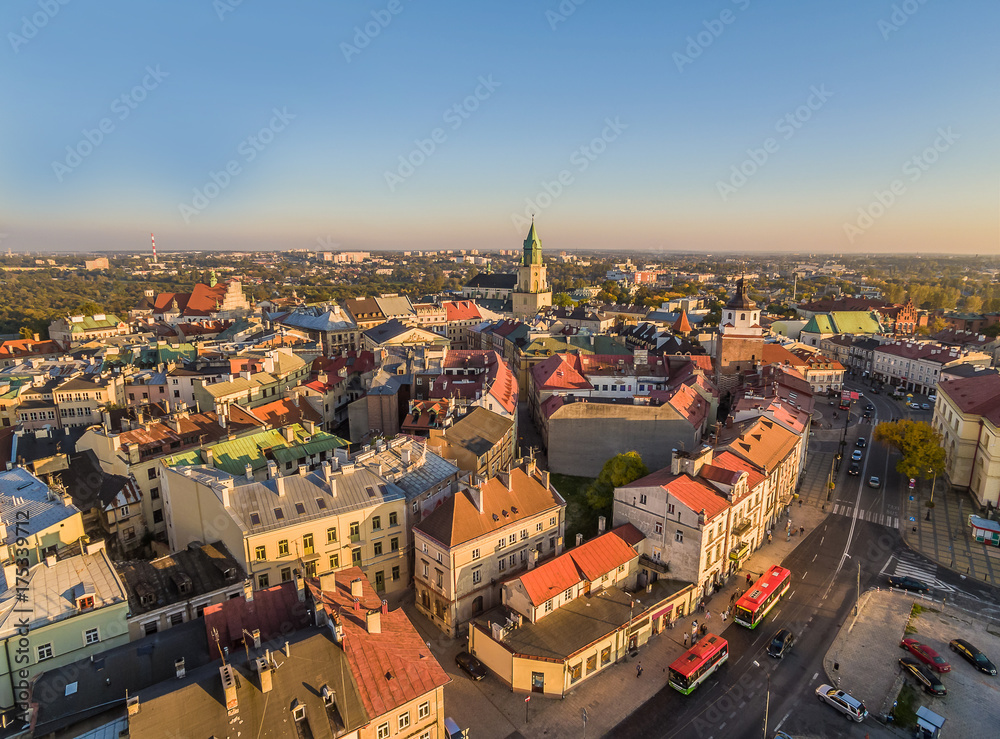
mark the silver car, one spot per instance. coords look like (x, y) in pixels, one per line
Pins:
(847, 705)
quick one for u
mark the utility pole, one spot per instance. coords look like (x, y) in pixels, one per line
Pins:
(857, 603)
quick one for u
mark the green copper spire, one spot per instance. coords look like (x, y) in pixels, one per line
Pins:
(532, 247)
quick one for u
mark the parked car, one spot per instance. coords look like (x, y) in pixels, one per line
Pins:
(856, 455)
(925, 676)
(854, 469)
(874, 482)
(472, 666)
(843, 702)
(908, 583)
(925, 406)
(932, 397)
(781, 643)
(973, 656)
(861, 443)
(926, 655)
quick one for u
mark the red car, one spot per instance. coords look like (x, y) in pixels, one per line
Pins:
(925, 654)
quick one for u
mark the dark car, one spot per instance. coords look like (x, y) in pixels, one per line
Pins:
(925, 676)
(854, 469)
(973, 656)
(781, 643)
(475, 669)
(869, 407)
(908, 583)
(861, 443)
(926, 655)
(874, 391)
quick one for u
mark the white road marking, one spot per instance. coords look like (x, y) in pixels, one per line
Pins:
(815, 675)
(815, 556)
(821, 540)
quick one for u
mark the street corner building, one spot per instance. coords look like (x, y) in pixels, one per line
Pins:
(568, 619)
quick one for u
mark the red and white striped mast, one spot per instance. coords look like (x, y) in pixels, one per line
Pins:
(153, 239)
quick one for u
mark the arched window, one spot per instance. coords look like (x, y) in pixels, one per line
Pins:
(743, 316)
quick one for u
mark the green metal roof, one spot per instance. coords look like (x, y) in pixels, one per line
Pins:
(321, 442)
(854, 322)
(819, 324)
(90, 324)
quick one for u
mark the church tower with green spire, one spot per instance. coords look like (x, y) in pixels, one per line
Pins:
(532, 292)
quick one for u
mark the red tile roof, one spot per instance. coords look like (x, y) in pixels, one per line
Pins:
(690, 491)
(461, 310)
(560, 372)
(730, 461)
(272, 611)
(979, 396)
(589, 561)
(286, 411)
(392, 667)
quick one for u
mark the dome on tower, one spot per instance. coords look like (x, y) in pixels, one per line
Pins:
(740, 301)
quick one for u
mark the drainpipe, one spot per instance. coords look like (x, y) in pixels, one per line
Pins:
(975, 454)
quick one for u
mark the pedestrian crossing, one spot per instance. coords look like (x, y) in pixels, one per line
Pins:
(910, 564)
(883, 519)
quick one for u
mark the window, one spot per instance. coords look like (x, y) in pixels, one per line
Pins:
(176, 619)
(642, 500)
(262, 581)
(670, 509)
(383, 731)
(423, 710)
(524, 534)
(502, 544)
(591, 663)
(91, 636)
(658, 527)
(331, 535)
(439, 578)
(538, 526)
(475, 554)
(307, 543)
(679, 536)
(605, 656)
(477, 577)
(154, 493)
(376, 523)
(395, 573)
(552, 521)
(568, 595)
(355, 532)
(404, 720)
(149, 627)
(334, 561)
(393, 519)
(260, 553)
(151, 473)
(513, 538)
(283, 547)
(548, 605)
(286, 574)
(380, 581)
(575, 671)
(279, 514)
(158, 516)
(356, 557)
(394, 544)
(378, 549)
(255, 519)
(502, 565)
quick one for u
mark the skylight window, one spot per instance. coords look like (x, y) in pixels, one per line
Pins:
(300, 509)
(321, 503)
(279, 514)
(255, 519)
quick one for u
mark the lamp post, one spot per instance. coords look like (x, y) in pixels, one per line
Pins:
(767, 697)
(857, 602)
(628, 634)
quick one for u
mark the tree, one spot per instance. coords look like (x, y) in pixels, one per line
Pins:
(562, 300)
(919, 444)
(618, 471)
(27, 333)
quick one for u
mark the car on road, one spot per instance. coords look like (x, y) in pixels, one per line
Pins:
(925, 406)
(843, 702)
(926, 655)
(932, 397)
(857, 455)
(874, 482)
(908, 583)
(861, 443)
(781, 643)
(472, 666)
(854, 469)
(869, 407)
(924, 675)
(973, 656)
(874, 391)
(866, 416)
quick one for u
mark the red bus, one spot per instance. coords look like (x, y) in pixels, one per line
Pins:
(693, 667)
(762, 597)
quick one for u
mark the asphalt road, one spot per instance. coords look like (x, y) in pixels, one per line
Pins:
(852, 551)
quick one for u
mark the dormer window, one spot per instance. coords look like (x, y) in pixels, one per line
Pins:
(298, 711)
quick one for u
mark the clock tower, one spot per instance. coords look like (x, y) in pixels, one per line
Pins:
(532, 292)
(740, 346)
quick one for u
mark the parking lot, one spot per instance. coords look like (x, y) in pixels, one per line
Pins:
(864, 660)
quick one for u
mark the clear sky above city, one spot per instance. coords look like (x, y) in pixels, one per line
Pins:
(846, 126)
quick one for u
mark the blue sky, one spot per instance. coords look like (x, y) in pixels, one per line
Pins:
(442, 124)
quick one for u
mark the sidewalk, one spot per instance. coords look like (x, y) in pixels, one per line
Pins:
(492, 711)
(945, 538)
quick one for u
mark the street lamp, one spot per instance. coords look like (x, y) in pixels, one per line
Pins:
(628, 634)
(767, 696)
(857, 602)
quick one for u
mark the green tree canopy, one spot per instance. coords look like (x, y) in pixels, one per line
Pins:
(562, 300)
(920, 445)
(617, 471)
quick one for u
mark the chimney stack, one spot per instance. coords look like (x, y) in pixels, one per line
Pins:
(272, 470)
(248, 591)
(357, 588)
(179, 668)
(228, 676)
(279, 483)
(602, 524)
(248, 471)
(256, 638)
(475, 493)
(579, 539)
(373, 621)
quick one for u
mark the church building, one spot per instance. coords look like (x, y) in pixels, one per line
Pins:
(532, 292)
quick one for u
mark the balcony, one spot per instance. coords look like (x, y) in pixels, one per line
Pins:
(742, 527)
(655, 565)
(738, 553)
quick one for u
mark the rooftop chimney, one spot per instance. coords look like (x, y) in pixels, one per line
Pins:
(228, 676)
(279, 484)
(475, 493)
(579, 539)
(248, 591)
(179, 668)
(357, 587)
(272, 470)
(373, 621)
(264, 672)
(602, 524)
(248, 471)
(300, 586)
(256, 638)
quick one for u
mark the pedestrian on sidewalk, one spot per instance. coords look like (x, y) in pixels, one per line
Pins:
(749, 579)
(708, 616)
(802, 530)
(638, 670)
(725, 613)
(769, 537)
(685, 640)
